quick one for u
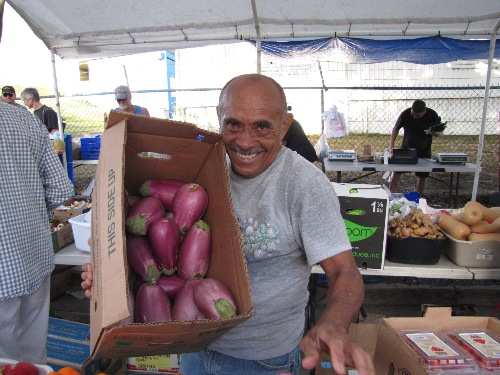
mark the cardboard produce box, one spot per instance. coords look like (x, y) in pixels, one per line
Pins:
(135, 149)
(394, 356)
(484, 254)
(62, 234)
(68, 345)
(365, 212)
(60, 280)
(72, 207)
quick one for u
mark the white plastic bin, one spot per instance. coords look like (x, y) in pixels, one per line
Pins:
(81, 226)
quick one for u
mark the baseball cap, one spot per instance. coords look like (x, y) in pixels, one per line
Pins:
(121, 92)
(8, 90)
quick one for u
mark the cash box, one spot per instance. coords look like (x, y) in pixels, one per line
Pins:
(404, 156)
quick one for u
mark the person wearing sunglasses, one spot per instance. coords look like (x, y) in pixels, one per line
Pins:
(9, 96)
(124, 99)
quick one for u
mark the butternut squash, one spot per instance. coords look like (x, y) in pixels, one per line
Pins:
(453, 227)
(486, 226)
(470, 214)
(484, 237)
(489, 212)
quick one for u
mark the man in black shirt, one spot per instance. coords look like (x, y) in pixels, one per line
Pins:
(416, 123)
(296, 140)
(47, 115)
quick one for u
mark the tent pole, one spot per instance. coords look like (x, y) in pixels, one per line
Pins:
(485, 109)
(257, 32)
(58, 107)
(259, 56)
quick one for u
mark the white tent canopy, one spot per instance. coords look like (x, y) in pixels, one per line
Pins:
(96, 28)
(106, 28)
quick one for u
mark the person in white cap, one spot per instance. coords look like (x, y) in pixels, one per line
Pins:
(124, 99)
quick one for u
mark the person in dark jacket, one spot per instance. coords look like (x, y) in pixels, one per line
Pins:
(296, 140)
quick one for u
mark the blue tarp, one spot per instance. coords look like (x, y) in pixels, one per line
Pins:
(427, 50)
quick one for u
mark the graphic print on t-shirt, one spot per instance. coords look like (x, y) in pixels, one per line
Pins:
(259, 239)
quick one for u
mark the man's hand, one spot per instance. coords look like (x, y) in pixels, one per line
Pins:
(88, 279)
(334, 341)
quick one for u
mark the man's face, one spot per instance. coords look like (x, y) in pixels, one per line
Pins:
(9, 98)
(417, 115)
(124, 103)
(252, 125)
(28, 103)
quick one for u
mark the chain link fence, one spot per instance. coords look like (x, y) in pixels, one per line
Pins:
(370, 114)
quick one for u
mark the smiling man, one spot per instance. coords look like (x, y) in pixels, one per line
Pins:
(290, 220)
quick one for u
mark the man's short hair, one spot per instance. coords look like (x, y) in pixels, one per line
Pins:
(418, 106)
(122, 92)
(30, 93)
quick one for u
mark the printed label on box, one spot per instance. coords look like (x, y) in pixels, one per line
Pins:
(69, 330)
(431, 345)
(156, 363)
(483, 343)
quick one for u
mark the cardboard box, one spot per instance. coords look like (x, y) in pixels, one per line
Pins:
(365, 212)
(135, 149)
(484, 254)
(166, 364)
(60, 280)
(72, 207)
(394, 356)
(364, 334)
(68, 345)
(61, 237)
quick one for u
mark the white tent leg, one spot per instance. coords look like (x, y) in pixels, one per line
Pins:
(58, 107)
(485, 109)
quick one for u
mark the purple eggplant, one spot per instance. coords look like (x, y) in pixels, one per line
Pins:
(194, 255)
(184, 307)
(152, 305)
(131, 307)
(142, 214)
(125, 203)
(141, 259)
(214, 299)
(164, 190)
(171, 285)
(165, 241)
(189, 206)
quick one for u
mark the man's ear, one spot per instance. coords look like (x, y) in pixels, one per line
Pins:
(286, 124)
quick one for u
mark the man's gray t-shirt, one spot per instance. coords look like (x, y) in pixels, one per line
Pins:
(289, 217)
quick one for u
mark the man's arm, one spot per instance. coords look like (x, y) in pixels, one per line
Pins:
(330, 334)
(394, 135)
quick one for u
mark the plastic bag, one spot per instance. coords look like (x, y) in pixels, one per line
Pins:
(335, 125)
(322, 148)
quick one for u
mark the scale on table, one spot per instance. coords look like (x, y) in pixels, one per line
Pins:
(451, 158)
(338, 155)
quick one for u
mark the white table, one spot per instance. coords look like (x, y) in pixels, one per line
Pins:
(70, 255)
(423, 165)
